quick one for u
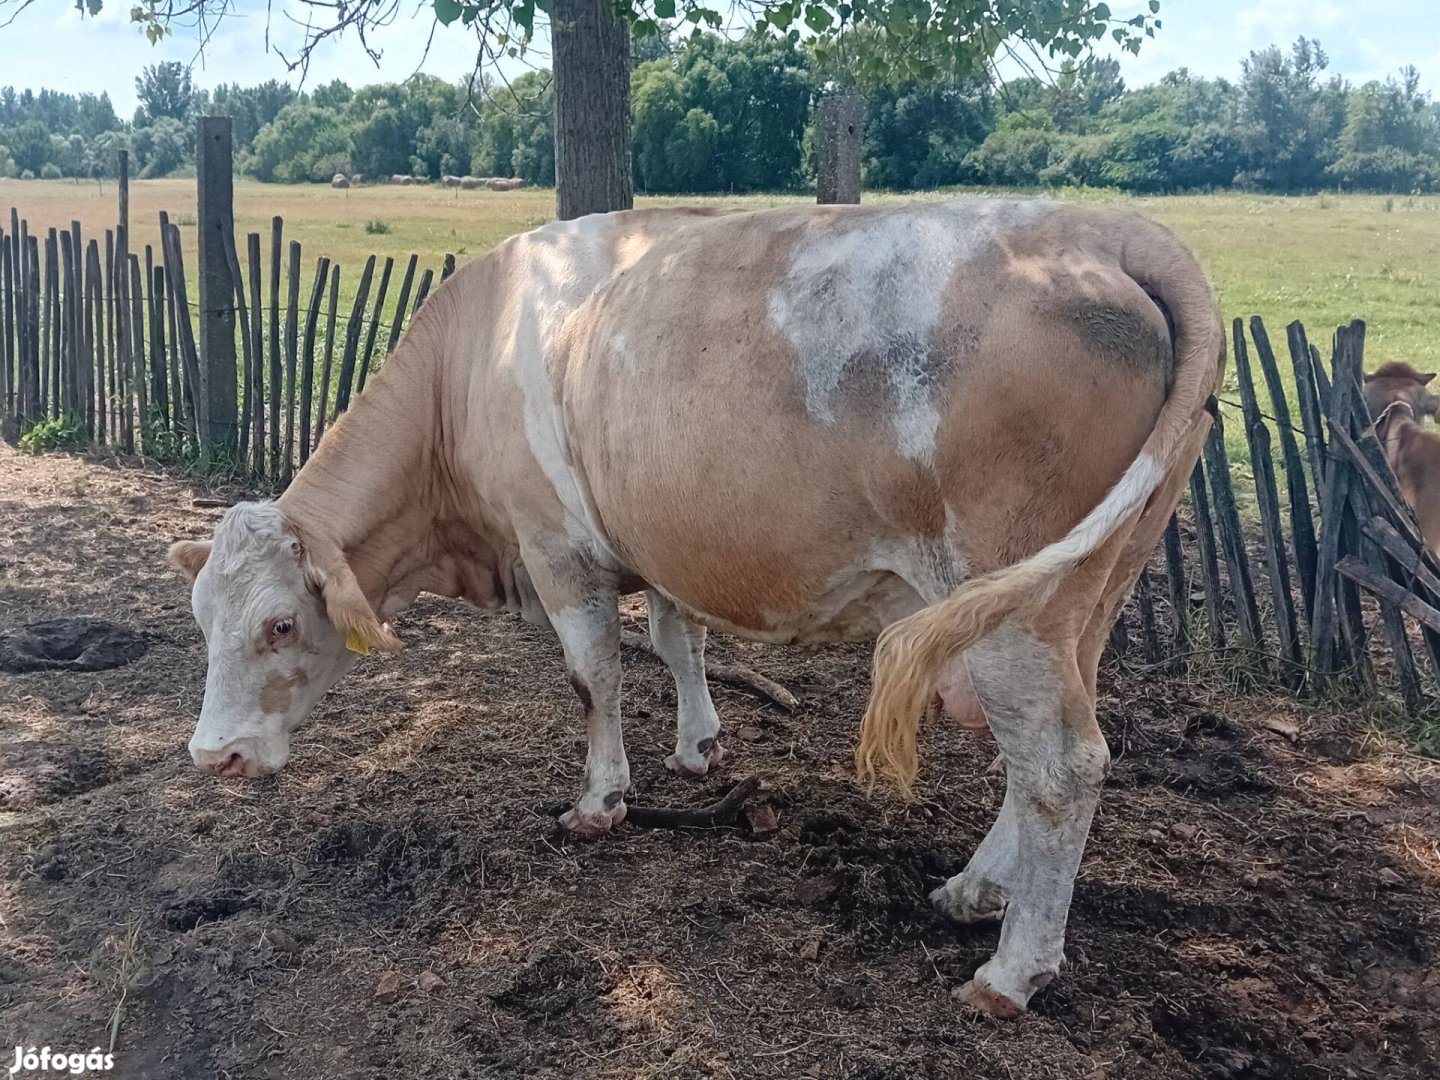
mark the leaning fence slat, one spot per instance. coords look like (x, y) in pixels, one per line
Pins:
(1383, 588)
(374, 329)
(1209, 559)
(1267, 497)
(292, 346)
(1145, 600)
(257, 336)
(1179, 591)
(248, 403)
(160, 352)
(7, 321)
(1406, 562)
(402, 306)
(95, 334)
(1302, 520)
(329, 353)
(447, 268)
(352, 339)
(137, 351)
(426, 279)
(1232, 538)
(185, 343)
(307, 355)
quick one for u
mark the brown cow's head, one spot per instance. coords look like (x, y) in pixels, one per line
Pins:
(1398, 381)
(282, 625)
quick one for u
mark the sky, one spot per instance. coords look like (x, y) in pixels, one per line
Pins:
(48, 44)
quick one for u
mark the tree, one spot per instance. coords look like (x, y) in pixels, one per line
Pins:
(1391, 138)
(29, 145)
(1288, 117)
(164, 89)
(592, 108)
(291, 148)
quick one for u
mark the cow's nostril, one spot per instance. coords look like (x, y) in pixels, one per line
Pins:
(234, 766)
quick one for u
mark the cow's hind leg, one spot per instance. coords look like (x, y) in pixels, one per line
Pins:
(681, 644)
(1024, 870)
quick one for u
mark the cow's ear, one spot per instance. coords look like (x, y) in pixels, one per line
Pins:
(347, 607)
(1426, 378)
(188, 556)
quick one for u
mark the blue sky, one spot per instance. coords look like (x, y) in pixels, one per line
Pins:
(48, 44)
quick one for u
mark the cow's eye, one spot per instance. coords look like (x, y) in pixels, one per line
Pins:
(282, 627)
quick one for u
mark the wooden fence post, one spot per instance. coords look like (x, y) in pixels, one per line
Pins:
(218, 405)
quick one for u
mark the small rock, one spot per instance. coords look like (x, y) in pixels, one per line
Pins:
(389, 987)
(282, 942)
(1388, 876)
(810, 950)
(1184, 830)
(812, 892)
(762, 818)
(430, 982)
(750, 733)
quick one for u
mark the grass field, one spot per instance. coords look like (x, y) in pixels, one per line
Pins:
(1322, 259)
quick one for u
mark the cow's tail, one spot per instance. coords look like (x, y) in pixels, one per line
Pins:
(912, 652)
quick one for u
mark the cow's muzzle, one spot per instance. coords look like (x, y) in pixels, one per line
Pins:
(239, 757)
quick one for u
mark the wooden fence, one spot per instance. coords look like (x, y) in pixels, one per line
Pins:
(1329, 585)
(102, 341)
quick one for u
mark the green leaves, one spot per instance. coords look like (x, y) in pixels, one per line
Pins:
(447, 11)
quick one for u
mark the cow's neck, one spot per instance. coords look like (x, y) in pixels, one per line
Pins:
(377, 492)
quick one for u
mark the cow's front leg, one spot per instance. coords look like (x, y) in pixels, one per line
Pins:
(681, 644)
(583, 604)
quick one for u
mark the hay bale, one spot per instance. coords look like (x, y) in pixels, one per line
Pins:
(516, 183)
(451, 181)
(469, 183)
(498, 183)
(357, 179)
(339, 180)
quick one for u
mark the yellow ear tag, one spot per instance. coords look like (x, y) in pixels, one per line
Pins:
(357, 644)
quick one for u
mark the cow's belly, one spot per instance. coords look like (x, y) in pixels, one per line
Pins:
(856, 609)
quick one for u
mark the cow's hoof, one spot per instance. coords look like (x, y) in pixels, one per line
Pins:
(982, 997)
(707, 755)
(962, 901)
(593, 823)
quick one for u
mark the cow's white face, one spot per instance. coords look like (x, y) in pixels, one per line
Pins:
(273, 643)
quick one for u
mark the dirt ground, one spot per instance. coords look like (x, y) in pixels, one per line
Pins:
(398, 903)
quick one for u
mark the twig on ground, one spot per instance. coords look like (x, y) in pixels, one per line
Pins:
(726, 811)
(731, 674)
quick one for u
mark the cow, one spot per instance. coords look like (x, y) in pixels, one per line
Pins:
(1398, 381)
(1396, 396)
(799, 425)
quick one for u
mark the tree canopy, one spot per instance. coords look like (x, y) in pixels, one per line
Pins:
(716, 114)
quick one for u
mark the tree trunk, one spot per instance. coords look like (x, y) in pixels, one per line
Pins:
(592, 109)
(839, 135)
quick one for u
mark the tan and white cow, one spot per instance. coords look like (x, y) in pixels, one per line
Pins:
(799, 425)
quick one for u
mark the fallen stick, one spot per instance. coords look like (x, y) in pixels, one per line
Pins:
(731, 674)
(725, 811)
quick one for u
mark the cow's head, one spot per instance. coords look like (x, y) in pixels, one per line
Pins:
(282, 624)
(1398, 381)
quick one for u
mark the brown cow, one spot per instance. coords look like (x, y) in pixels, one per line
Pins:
(1398, 381)
(805, 424)
(1397, 397)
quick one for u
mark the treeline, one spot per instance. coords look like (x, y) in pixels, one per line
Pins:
(711, 114)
